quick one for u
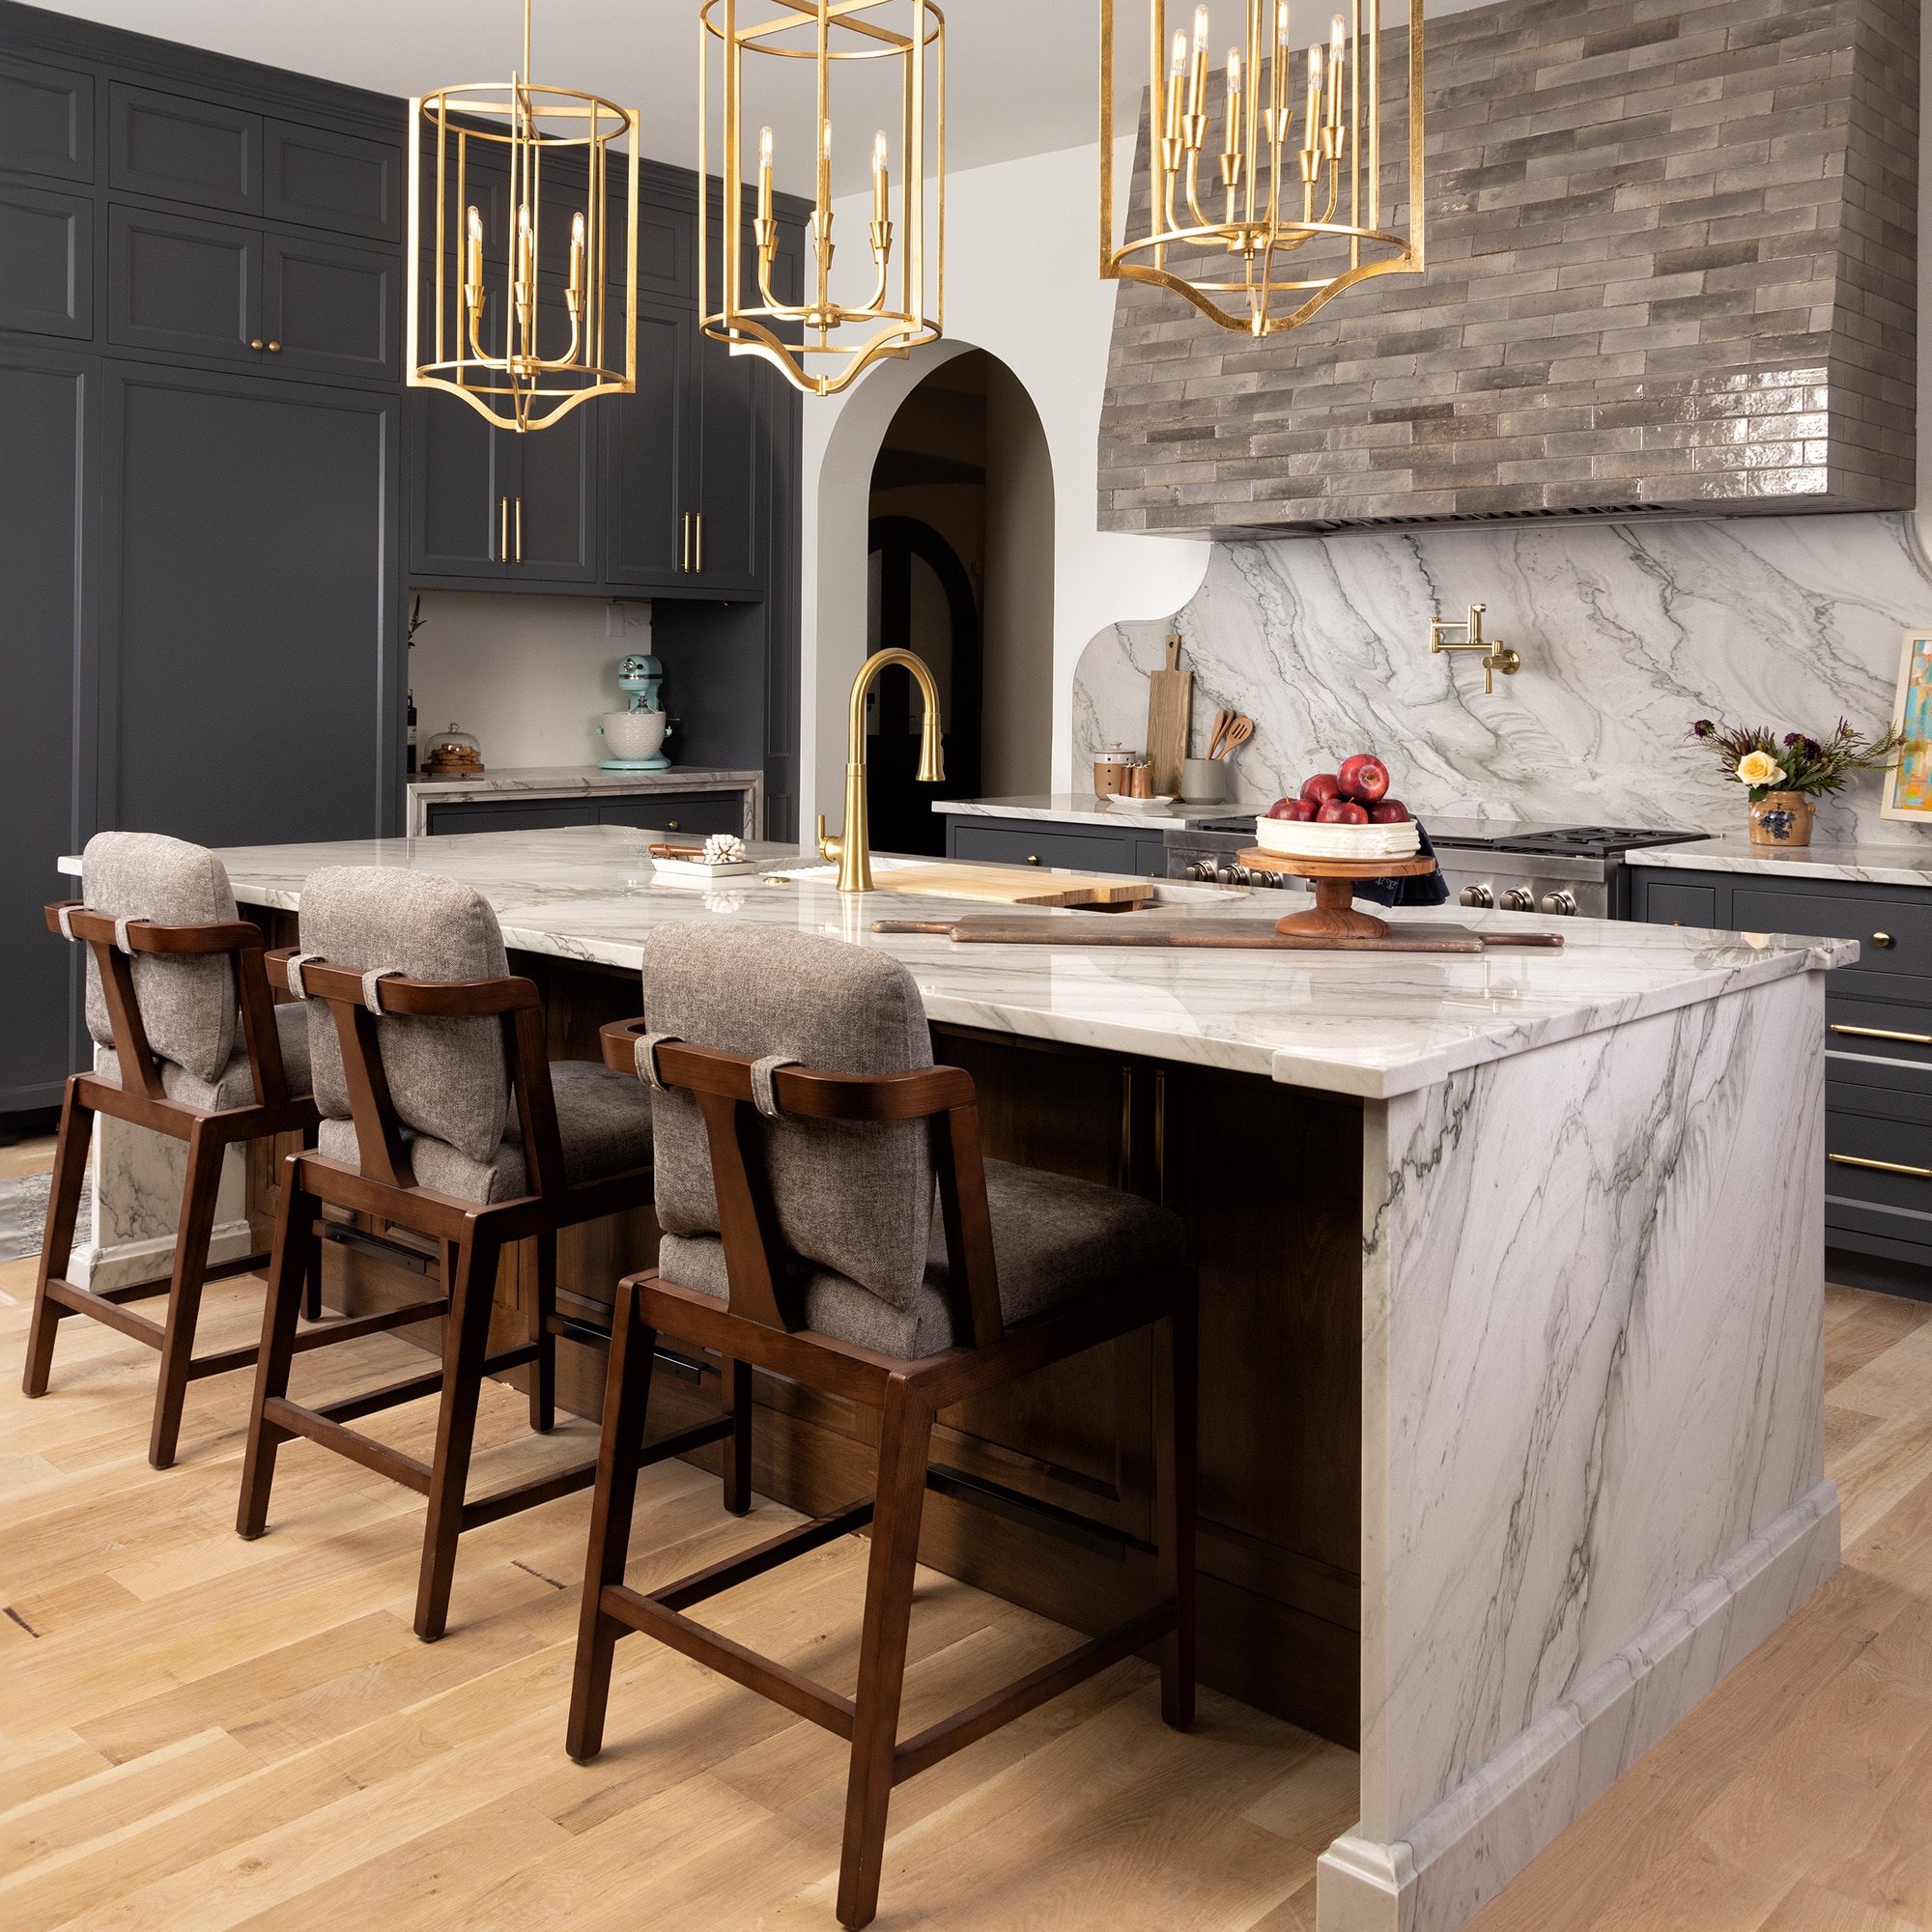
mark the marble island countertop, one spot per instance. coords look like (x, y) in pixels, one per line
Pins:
(1086, 808)
(1369, 1024)
(1901, 864)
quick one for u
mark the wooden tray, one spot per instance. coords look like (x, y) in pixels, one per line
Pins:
(1239, 935)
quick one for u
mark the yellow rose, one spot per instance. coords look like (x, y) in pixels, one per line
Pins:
(1759, 768)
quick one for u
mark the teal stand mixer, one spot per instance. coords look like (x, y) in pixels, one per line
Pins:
(637, 736)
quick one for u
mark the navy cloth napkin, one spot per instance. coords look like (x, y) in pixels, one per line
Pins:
(1424, 888)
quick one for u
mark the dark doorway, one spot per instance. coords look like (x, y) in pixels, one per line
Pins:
(921, 600)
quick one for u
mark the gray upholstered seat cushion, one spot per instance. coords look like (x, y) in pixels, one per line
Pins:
(237, 1086)
(187, 1006)
(1054, 1240)
(856, 1198)
(447, 1077)
(603, 1119)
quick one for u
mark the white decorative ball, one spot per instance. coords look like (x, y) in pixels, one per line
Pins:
(722, 849)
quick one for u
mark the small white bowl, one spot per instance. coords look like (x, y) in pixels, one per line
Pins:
(1302, 838)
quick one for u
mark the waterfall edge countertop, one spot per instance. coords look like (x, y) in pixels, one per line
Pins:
(1373, 1025)
(1900, 865)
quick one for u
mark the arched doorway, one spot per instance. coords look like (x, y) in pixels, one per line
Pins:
(919, 599)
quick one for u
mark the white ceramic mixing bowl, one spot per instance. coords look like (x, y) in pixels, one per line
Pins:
(634, 734)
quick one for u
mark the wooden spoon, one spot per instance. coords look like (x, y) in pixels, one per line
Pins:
(1222, 720)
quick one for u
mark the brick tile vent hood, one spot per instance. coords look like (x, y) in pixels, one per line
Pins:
(1672, 271)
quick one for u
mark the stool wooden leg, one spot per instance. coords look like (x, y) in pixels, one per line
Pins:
(734, 1391)
(1175, 1427)
(905, 1437)
(466, 1343)
(192, 1232)
(627, 1389)
(542, 1305)
(312, 1279)
(76, 1134)
(296, 1250)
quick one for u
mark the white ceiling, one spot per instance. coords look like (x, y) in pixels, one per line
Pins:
(1022, 76)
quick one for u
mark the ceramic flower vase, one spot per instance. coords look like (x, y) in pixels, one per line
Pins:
(1782, 818)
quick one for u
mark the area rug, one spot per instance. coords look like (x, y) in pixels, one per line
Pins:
(23, 1213)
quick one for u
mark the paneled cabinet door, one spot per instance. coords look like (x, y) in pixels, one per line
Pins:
(650, 441)
(459, 501)
(47, 241)
(551, 474)
(322, 180)
(47, 120)
(184, 150)
(730, 532)
(331, 309)
(41, 491)
(192, 288)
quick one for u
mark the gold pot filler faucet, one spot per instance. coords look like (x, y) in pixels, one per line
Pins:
(1497, 656)
(853, 847)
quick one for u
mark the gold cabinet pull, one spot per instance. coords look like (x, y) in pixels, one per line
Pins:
(503, 529)
(255, 343)
(1032, 858)
(1885, 1033)
(1882, 940)
(274, 348)
(520, 529)
(698, 541)
(684, 552)
(1881, 1166)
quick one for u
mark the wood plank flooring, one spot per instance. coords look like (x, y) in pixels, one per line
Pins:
(198, 1733)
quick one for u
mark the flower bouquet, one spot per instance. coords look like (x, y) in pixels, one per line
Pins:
(1784, 778)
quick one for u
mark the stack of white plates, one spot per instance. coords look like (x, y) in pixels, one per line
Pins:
(1296, 839)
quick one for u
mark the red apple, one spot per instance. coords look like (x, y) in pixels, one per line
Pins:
(1364, 779)
(1390, 812)
(1298, 808)
(1321, 788)
(1343, 812)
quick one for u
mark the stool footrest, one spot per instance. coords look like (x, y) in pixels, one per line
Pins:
(282, 1413)
(527, 1495)
(354, 1326)
(763, 1556)
(978, 1721)
(795, 1692)
(84, 1301)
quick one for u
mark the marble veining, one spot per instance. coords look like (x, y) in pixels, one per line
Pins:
(1628, 633)
(1348, 1022)
(1877, 865)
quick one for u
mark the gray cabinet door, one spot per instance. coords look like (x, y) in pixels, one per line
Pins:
(692, 814)
(323, 179)
(184, 150)
(650, 454)
(47, 120)
(187, 286)
(730, 535)
(330, 309)
(459, 505)
(551, 474)
(509, 815)
(248, 612)
(43, 403)
(1039, 842)
(47, 241)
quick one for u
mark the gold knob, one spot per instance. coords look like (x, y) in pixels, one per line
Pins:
(256, 343)
(274, 348)
(1881, 939)
(670, 825)
(1032, 858)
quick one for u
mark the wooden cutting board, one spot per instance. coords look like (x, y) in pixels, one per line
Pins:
(1014, 885)
(1255, 935)
(1170, 705)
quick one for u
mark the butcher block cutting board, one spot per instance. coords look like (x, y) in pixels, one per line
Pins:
(1170, 704)
(1014, 885)
(1250, 935)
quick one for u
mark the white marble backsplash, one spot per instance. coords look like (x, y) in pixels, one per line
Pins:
(1628, 632)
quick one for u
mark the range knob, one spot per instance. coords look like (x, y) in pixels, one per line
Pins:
(1200, 872)
(1519, 899)
(1561, 906)
(1478, 896)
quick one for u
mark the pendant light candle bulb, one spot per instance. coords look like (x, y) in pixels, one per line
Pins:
(575, 254)
(1178, 68)
(764, 147)
(881, 181)
(1201, 29)
(1281, 39)
(1335, 63)
(473, 272)
(1231, 142)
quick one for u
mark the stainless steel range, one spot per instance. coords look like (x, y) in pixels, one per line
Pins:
(1520, 865)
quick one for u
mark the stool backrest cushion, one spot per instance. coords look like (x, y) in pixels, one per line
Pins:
(188, 1007)
(447, 1077)
(854, 1196)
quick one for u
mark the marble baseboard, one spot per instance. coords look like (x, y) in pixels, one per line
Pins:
(1459, 1855)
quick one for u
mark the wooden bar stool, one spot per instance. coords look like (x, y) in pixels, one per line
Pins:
(171, 965)
(419, 1037)
(800, 1236)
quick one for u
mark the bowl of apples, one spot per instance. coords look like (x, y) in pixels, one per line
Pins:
(1346, 814)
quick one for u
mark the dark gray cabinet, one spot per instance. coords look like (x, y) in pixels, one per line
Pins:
(47, 120)
(323, 179)
(696, 815)
(331, 309)
(44, 483)
(1131, 849)
(650, 449)
(184, 150)
(1878, 1051)
(247, 614)
(46, 240)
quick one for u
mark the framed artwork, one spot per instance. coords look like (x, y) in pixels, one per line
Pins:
(1907, 785)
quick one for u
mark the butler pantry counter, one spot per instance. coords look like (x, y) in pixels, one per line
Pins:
(542, 798)
(1511, 1276)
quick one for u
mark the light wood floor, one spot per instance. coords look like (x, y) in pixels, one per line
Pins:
(198, 1733)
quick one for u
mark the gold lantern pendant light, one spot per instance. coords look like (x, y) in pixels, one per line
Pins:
(821, 343)
(487, 140)
(1298, 200)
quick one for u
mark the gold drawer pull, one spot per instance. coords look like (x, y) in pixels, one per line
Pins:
(1881, 1166)
(1882, 939)
(1886, 1033)
(1032, 858)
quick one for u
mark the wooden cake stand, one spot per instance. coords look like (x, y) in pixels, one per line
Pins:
(1334, 915)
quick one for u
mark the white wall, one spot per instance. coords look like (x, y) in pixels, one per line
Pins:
(1022, 282)
(1016, 748)
(527, 677)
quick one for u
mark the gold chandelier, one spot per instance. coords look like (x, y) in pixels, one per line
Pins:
(893, 320)
(1320, 150)
(494, 141)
